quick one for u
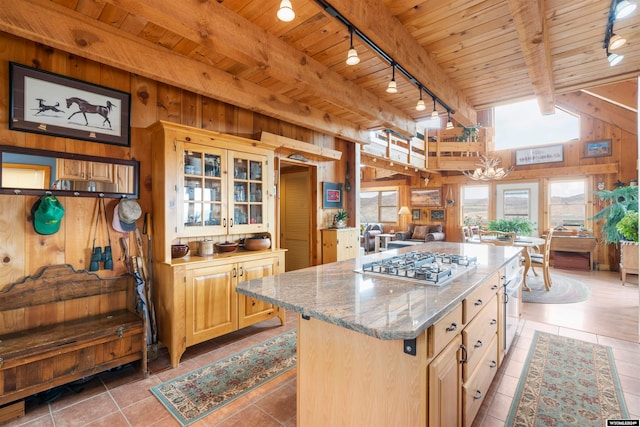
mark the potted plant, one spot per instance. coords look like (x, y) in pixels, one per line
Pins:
(521, 226)
(628, 227)
(340, 219)
(620, 200)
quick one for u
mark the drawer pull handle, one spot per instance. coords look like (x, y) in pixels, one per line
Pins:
(493, 364)
(494, 287)
(478, 395)
(478, 344)
(453, 327)
(120, 332)
(493, 322)
(1, 362)
(478, 302)
(464, 359)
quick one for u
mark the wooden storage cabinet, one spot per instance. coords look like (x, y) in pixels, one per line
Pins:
(339, 244)
(81, 170)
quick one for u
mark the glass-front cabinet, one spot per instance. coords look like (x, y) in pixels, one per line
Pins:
(222, 191)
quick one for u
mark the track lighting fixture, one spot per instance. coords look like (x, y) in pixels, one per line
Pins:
(286, 13)
(420, 105)
(392, 88)
(624, 8)
(434, 113)
(449, 122)
(619, 9)
(352, 56)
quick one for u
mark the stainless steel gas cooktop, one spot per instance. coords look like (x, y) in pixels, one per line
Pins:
(430, 268)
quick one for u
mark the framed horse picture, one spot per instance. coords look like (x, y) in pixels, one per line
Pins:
(52, 104)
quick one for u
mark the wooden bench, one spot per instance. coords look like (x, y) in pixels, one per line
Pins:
(62, 325)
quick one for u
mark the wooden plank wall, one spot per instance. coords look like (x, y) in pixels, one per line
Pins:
(23, 251)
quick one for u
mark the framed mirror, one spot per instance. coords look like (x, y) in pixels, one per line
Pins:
(32, 171)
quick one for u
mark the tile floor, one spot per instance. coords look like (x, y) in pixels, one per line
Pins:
(122, 397)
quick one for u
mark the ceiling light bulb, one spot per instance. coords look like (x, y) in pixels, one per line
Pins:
(614, 59)
(392, 88)
(286, 13)
(420, 105)
(352, 57)
(449, 124)
(616, 42)
(624, 8)
(434, 114)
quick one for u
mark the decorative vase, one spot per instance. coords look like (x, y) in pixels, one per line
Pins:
(340, 223)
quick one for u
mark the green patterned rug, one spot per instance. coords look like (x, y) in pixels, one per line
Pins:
(193, 396)
(567, 382)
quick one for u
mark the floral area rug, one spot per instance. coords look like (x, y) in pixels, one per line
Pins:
(564, 290)
(192, 396)
(567, 382)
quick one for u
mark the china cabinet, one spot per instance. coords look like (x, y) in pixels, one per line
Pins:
(209, 186)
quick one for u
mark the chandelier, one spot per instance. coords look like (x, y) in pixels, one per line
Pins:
(488, 170)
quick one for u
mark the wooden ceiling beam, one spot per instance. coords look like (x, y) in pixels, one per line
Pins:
(374, 20)
(528, 17)
(215, 27)
(103, 43)
(584, 103)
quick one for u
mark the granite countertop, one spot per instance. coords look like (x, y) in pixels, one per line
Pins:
(381, 307)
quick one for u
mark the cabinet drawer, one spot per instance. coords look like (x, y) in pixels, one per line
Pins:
(477, 335)
(444, 330)
(475, 390)
(479, 298)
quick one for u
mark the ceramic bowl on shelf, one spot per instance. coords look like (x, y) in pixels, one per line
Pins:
(178, 251)
(257, 243)
(227, 246)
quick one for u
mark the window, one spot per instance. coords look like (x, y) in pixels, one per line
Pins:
(475, 204)
(379, 206)
(568, 203)
(516, 204)
(521, 125)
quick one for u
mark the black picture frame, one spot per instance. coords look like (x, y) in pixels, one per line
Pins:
(600, 148)
(415, 214)
(51, 104)
(437, 214)
(426, 197)
(331, 195)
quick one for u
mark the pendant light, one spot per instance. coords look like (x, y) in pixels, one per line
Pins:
(614, 59)
(392, 88)
(420, 105)
(449, 122)
(286, 13)
(616, 42)
(434, 113)
(624, 8)
(352, 55)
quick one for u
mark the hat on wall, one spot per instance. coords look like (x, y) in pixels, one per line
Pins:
(125, 215)
(46, 214)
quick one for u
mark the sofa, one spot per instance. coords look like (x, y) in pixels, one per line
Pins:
(421, 233)
(368, 239)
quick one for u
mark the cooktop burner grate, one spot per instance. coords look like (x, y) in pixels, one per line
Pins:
(424, 267)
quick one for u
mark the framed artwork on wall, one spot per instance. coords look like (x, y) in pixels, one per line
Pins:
(415, 214)
(437, 214)
(537, 155)
(426, 197)
(52, 104)
(331, 195)
(597, 148)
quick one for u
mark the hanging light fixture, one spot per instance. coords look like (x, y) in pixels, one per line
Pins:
(352, 56)
(286, 13)
(488, 170)
(420, 105)
(614, 58)
(616, 42)
(449, 122)
(434, 113)
(624, 8)
(392, 88)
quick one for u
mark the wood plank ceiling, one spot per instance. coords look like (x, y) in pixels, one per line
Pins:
(472, 54)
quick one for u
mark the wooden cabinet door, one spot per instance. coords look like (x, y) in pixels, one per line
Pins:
(211, 302)
(350, 243)
(251, 310)
(247, 191)
(74, 170)
(445, 388)
(102, 172)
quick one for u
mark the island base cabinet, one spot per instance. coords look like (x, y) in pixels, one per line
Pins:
(346, 378)
(444, 387)
(476, 388)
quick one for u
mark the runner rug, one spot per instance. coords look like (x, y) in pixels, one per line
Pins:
(567, 382)
(192, 396)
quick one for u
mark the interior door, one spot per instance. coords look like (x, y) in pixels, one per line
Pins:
(295, 218)
(518, 199)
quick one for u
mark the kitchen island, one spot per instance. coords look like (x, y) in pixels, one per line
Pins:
(374, 350)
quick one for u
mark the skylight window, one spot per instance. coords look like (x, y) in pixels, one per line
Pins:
(522, 125)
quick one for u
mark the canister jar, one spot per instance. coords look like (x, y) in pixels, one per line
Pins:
(205, 248)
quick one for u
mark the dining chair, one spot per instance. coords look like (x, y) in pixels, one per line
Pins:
(466, 234)
(542, 259)
(497, 238)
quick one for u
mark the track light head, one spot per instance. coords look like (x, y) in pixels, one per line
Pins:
(286, 13)
(392, 87)
(449, 122)
(434, 113)
(614, 59)
(616, 42)
(624, 9)
(420, 105)
(352, 55)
